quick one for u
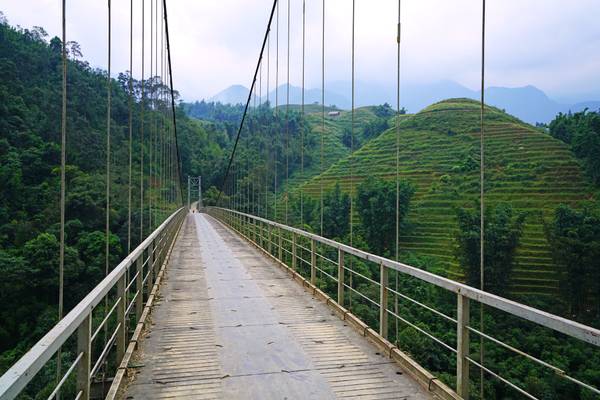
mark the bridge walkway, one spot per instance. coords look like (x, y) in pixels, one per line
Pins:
(231, 324)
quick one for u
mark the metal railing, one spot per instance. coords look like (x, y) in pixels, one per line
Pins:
(133, 280)
(297, 248)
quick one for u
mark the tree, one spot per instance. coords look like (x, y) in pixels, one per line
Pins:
(503, 229)
(581, 130)
(574, 238)
(376, 205)
(336, 213)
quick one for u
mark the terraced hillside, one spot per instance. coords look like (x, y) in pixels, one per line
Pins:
(333, 146)
(439, 154)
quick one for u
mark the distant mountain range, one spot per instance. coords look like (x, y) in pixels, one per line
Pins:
(528, 103)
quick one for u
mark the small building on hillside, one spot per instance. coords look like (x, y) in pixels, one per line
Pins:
(333, 113)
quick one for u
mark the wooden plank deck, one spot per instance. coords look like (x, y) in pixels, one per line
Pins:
(231, 324)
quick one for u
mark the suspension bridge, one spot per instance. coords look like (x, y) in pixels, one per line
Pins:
(238, 300)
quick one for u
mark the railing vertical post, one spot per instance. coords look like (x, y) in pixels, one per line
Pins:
(84, 333)
(294, 251)
(139, 300)
(150, 279)
(280, 240)
(269, 239)
(121, 284)
(340, 288)
(462, 350)
(383, 300)
(313, 262)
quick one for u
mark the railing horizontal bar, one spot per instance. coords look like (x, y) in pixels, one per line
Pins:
(555, 369)
(585, 385)
(15, 379)
(331, 276)
(65, 376)
(132, 281)
(303, 260)
(105, 351)
(554, 322)
(302, 247)
(106, 317)
(362, 295)
(425, 306)
(362, 276)
(424, 332)
(284, 239)
(326, 258)
(495, 375)
(132, 302)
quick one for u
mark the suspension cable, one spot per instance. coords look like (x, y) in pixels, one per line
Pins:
(151, 155)
(108, 117)
(351, 158)
(303, 116)
(276, 155)
(481, 195)
(63, 158)
(322, 115)
(268, 144)
(247, 100)
(287, 118)
(142, 104)
(397, 244)
(107, 226)
(351, 164)
(130, 106)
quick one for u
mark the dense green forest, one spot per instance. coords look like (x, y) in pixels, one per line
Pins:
(30, 109)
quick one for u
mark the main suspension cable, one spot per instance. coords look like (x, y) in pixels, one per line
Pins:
(247, 100)
(177, 156)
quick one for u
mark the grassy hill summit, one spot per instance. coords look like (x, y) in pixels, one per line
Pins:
(439, 155)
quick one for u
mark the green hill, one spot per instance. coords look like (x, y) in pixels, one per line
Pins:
(439, 154)
(334, 146)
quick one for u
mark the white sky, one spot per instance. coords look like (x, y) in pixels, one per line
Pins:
(552, 44)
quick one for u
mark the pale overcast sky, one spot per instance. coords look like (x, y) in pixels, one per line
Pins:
(552, 44)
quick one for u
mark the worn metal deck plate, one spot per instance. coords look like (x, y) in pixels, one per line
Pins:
(231, 324)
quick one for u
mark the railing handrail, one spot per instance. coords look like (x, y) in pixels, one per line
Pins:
(19, 375)
(559, 324)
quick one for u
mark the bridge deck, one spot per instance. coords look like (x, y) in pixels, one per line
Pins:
(231, 324)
